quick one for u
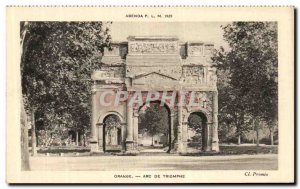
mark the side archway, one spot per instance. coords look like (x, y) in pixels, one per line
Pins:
(111, 131)
(198, 131)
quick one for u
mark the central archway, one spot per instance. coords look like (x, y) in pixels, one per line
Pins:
(154, 127)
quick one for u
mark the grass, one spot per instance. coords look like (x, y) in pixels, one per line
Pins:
(228, 150)
(238, 150)
(224, 150)
(64, 149)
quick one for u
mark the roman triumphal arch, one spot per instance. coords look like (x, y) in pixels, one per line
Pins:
(175, 72)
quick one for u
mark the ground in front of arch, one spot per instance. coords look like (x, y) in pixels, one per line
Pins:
(158, 162)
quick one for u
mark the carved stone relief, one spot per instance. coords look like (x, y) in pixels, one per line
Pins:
(193, 75)
(153, 47)
(200, 74)
(212, 76)
(209, 49)
(195, 50)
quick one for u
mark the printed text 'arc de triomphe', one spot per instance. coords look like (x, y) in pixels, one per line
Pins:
(156, 63)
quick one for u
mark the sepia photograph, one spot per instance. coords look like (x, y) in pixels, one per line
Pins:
(121, 96)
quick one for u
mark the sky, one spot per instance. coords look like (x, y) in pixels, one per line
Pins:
(185, 31)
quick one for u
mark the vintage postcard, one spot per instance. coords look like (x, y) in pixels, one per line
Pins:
(150, 95)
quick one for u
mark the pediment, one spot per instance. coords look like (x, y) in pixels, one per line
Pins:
(154, 81)
(155, 75)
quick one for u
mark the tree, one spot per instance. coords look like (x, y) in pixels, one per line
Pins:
(251, 65)
(58, 60)
(195, 122)
(231, 107)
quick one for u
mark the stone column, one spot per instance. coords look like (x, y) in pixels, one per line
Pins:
(123, 132)
(135, 129)
(215, 138)
(181, 147)
(184, 137)
(207, 144)
(93, 140)
(172, 136)
(100, 138)
(129, 135)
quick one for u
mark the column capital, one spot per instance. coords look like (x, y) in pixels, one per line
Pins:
(99, 124)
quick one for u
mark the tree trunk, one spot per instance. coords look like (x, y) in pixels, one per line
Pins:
(240, 124)
(152, 140)
(76, 138)
(25, 166)
(271, 136)
(238, 131)
(257, 132)
(33, 134)
(239, 139)
(84, 140)
(257, 137)
(81, 140)
(37, 138)
(253, 133)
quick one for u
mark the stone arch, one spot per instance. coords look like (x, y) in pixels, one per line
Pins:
(202, 111)
(103, 116)
(170, 110)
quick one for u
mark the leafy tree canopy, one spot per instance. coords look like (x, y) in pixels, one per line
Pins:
(58, 59)
(155, 119)
(247, 76)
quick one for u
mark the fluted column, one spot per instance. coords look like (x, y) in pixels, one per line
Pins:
(215, 138)
(181, 146)
(129, 130)
(124, 136)
(207, 143)
(184, 137)
(172, 136)
(135, 130)
(100, 138)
